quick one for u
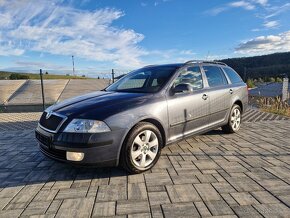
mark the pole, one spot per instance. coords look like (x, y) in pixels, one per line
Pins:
(113, 76)
(245, 74)
(73, 63)
(42, 90)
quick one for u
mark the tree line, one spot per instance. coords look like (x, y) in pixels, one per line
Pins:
(261, 67)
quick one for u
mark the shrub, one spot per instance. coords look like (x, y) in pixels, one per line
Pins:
(250, 83)
(16, 76)
(274, 105)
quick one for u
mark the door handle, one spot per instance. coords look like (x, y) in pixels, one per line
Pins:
(231, 91)
(204, 96)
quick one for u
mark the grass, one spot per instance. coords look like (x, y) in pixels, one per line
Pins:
(5, 75)
(274, 105)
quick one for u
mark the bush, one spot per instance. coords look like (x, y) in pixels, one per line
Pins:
(250, 83)
(16, 76)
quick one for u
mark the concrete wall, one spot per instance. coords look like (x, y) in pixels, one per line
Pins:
(25, 95)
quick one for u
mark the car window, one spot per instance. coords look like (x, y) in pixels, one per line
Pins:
(215, 76)
(144, 80)
(192, 76)
(233, 75)
(136, 81)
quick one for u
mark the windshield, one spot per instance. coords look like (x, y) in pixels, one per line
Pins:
(145, 80)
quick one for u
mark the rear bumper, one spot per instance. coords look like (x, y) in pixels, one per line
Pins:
(100, 149)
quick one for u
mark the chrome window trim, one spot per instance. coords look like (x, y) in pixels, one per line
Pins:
(64, 118)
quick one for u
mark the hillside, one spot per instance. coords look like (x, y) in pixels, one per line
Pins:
(6, 75)
(272, 65)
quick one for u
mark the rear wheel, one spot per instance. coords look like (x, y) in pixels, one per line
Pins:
(235, 119)
(142, 148)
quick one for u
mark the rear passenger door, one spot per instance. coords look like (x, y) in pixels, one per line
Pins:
(219, 94)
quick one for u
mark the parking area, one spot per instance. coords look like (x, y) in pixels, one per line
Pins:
(215, 174)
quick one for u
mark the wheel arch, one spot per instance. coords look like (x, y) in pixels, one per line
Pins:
(239, 102)
(153, 121)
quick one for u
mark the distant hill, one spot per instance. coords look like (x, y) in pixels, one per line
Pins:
(14, 75)
(272, 65)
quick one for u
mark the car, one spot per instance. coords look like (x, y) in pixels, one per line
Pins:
(129, 122)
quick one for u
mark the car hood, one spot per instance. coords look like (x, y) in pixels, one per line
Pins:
(97, 101)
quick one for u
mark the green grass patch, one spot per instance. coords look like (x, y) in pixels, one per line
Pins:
(12, 75)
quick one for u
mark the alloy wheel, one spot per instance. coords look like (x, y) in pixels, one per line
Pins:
(236, 119)
(144, 149)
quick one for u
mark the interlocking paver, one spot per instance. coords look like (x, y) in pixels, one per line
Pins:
(157, 198)
(137, 191)
(207, 192)
(215, 174)
(180, 210)
(219, 208)
(182, 193)
(102, 209)
(132, 207)
(244, 198)
(76, 207)
(265, 197)
(112, 192)
(246, 211)
(273, 210)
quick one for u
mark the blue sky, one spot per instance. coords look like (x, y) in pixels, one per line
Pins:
(105, 34)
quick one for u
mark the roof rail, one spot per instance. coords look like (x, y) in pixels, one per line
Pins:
(152, 65)
(205, 62)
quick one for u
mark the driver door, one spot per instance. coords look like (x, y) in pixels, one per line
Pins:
(188, 112)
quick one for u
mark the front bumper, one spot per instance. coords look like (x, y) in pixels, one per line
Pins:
(100, 149)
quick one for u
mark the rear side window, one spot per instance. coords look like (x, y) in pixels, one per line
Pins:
(233, 76)
(215, 76)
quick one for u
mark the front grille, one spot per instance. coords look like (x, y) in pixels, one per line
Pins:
(43, 139)
(52, 123)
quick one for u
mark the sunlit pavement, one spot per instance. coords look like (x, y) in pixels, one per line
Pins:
(244, 174)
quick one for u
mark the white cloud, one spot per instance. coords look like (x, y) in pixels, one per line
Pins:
(265, 44)
(271, 24)
(242, 4)
(277, 10)
(246, 5)
(48, 26)
(261, 2)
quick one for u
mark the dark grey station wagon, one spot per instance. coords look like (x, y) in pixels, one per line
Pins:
(129, 122)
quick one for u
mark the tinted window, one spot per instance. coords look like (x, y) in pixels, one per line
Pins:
(233, 76)
(192, 76)
(215, 76)
(150, 79)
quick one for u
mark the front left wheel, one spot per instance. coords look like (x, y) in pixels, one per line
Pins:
(142, 148)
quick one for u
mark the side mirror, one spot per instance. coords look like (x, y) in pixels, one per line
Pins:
(182, 88)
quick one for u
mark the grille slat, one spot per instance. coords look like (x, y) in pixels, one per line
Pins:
(52, 123)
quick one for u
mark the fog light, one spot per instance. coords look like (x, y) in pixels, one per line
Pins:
(74, 156)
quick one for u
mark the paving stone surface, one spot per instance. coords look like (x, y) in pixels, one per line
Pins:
(246, 174)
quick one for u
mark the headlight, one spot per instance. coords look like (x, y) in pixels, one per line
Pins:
(86, 126)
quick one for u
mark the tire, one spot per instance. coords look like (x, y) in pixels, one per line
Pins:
(234, 121)
(141, 148)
